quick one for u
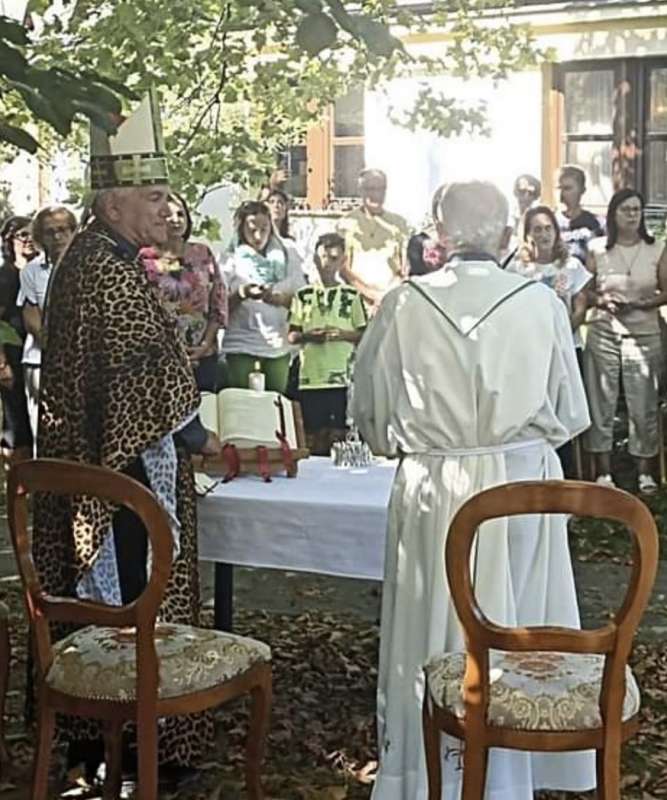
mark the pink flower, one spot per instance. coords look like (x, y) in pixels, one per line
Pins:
(433, 254)
(149, 258)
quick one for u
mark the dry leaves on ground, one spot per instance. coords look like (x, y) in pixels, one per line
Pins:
(322, 740)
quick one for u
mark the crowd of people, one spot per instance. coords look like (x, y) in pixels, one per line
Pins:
(269, 299)
(464, 346)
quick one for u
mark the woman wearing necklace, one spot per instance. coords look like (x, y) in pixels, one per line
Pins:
(188, 280)
(630, 270)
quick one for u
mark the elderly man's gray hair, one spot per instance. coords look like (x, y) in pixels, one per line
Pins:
(103, 196)
(474, 216)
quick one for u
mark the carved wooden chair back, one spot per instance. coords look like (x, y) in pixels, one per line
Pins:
(56, 476)
(612, 641)
(243, 665)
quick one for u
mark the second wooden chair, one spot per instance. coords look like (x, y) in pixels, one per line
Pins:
(553, 689)
(122, 664)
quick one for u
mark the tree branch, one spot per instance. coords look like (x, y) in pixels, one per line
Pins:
(221, 85)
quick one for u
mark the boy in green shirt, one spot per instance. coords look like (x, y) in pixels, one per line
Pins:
(327, 319)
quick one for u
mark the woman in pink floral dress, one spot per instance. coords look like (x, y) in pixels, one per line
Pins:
(188, 280)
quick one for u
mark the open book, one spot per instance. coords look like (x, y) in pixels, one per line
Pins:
(247, 418)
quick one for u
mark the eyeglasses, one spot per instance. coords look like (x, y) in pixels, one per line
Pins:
(23, 236)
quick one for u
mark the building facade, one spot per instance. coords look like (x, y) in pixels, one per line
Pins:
(601, 103)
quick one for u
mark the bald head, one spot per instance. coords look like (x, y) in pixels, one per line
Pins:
(474, 217)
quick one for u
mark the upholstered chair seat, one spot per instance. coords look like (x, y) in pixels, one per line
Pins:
(534, 691)
(99, 663)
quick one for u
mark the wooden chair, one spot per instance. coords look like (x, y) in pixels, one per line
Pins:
(124, 665)
(5, 658)
(551, 688)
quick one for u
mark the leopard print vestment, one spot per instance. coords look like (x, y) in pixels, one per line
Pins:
(115, 379)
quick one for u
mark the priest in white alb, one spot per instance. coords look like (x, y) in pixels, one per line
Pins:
(468, 375)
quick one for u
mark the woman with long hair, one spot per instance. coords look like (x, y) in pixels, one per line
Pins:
(189, 282)
(261, 278)
(544, 257)
(630, 270)
(18, 248)
(278, 203)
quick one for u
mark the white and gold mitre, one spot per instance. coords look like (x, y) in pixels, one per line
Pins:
(134, 155)
(14, 9)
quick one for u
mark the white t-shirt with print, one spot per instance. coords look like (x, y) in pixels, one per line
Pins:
(567, 280)
(255, 327)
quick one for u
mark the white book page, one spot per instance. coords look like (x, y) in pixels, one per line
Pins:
(208, 412)
(248, 419)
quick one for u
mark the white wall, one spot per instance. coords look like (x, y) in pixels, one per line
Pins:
(220, 204)
(417, 163)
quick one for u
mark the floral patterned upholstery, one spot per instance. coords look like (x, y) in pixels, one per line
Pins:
(543, 691)
(99, 663)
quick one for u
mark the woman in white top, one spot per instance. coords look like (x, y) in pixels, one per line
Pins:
(545, 258)
(261, 279)
(630, 270)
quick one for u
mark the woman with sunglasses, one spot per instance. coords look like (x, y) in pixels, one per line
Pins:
(18, 249)
(623, 340)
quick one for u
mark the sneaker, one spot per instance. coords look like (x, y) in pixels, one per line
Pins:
(605, 480)
(647, 484)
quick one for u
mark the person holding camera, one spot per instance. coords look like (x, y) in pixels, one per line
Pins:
(261, 279)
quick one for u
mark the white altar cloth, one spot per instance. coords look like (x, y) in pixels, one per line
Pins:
(326, 520)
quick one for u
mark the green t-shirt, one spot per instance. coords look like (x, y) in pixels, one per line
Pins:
(326, 365)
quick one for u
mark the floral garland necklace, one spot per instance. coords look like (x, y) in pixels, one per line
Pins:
(167, 272)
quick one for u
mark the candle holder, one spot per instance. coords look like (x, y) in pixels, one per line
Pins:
(352, 453)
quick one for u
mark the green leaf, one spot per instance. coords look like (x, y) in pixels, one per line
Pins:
(308, 6)
(115, 86)
(316, 32)
(8, 335)
(56, 115)
(12, 31)
(376, 36)
(18, 137)
(38, 6)
(102, 118)
(13, 63)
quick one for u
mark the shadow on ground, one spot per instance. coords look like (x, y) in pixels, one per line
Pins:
(324, 636)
